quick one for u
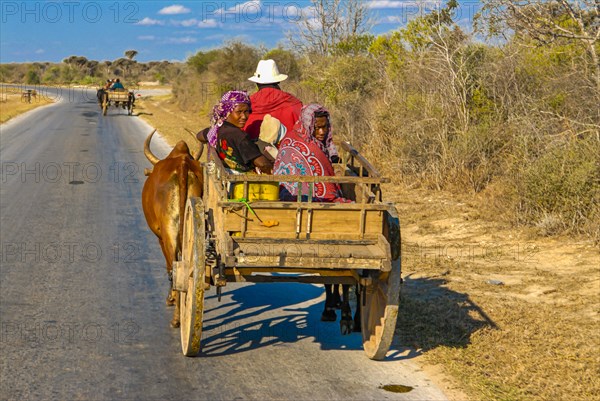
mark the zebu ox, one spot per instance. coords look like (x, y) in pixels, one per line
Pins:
(171, 183)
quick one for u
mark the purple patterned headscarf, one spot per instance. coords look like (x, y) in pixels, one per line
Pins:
(221, 111)
(306, 126)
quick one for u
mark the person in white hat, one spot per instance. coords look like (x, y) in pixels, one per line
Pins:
(270, 99)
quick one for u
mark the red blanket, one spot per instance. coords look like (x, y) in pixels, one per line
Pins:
(279, 104)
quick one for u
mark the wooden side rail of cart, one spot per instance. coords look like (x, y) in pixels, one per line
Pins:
(118, 95)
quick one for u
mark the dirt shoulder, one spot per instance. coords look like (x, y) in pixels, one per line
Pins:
(506, 313)
(13, 103)
(162, 113)
(490, 311)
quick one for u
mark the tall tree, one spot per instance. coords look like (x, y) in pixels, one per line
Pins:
(439, 46)
(124, 64)
(107, 64)
(130, 54)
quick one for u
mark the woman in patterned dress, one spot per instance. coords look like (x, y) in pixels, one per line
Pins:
(225, 134)
(309, 150)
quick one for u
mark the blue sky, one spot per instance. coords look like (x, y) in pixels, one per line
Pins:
(167, 30)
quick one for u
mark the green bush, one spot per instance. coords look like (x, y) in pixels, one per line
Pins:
(32, 78)
(345, 84)
(200, 61)
(286, 62)
(236, 62)
(89, 80)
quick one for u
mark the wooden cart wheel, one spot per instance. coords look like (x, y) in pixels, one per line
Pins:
(380, 310)
(193, 260)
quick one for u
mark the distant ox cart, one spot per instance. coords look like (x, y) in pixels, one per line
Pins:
(122, 98)
(28, 94)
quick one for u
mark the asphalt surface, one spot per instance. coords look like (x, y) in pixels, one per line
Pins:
(83, 283)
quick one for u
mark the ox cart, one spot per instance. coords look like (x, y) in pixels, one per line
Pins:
(246, 239)
(117, 98)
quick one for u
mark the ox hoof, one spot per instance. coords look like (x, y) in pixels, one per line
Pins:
(346, 326)
(328, 315)
(170, 299)
(357, 324)
(175, 323)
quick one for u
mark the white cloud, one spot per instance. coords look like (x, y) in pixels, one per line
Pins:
(149, 22)
(208, 23)
(249, 9)
(252, 6)
(40, 51)
(253, 11)
(386, 4)
(188, 22)
(174, 10)
(183, 40)
(146, 37)
(194, 23)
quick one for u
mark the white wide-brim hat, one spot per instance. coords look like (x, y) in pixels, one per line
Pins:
(267, 73)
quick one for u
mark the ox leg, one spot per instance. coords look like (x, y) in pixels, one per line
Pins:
(174, 295)
(175, 322)
(337, 301)
(357, 323)
(171, 295)
(346, 322)
(329, 314)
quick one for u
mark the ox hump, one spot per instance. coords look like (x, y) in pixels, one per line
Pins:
(180, 149)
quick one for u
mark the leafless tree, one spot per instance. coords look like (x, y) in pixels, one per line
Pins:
(328, 22)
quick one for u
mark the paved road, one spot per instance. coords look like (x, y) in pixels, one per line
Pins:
(83, 284)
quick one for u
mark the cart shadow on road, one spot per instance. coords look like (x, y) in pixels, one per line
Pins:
(118, 114)
(255, 316)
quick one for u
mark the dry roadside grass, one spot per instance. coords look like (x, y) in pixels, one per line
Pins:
(162, 113)
(495, 313)
(507, 314)
(11, 103)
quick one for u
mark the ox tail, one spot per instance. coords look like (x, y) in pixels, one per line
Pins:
(183, 190)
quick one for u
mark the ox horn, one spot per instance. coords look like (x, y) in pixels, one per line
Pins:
(153, 159)
(197, 155)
